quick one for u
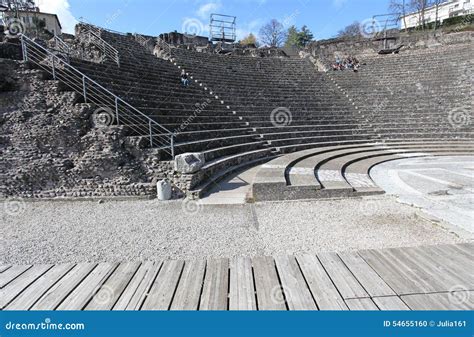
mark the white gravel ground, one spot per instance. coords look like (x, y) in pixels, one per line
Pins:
(80, 231)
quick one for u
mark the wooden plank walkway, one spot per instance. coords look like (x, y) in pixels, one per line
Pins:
(418, 278)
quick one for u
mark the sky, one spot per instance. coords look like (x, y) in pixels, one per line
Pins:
(323, 17)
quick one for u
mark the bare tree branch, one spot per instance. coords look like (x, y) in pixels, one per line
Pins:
(273, 34)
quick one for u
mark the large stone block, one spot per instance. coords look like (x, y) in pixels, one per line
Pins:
(189, 162)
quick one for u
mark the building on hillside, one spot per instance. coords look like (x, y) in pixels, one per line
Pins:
(176, 38)
(448, 9)
(34, 19)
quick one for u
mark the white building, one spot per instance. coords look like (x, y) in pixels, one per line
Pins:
(28, 18)
(445, 10)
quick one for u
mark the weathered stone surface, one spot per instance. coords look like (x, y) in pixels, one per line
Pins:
(326, 50)
(51, 148)
(189, 162)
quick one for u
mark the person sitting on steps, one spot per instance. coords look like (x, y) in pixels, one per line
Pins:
(356, 64)
(184, 79)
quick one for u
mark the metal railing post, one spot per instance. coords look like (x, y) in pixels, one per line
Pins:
(172, 145)
(117, 111)
(151, 136)
(54, 69)
(84, 90)
(99, 95)
(24, 49)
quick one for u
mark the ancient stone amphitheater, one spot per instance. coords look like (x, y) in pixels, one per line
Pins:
(239, 111)
(105, 115)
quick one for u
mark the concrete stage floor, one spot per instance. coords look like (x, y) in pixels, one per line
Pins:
(443, 187)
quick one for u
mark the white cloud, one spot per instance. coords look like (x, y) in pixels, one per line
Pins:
(62, 9)
(205, 10)
(246, 28)
(339, 3)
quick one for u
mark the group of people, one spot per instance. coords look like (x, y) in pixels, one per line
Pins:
(350, 62)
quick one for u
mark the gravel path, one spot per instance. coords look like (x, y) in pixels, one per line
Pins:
(80, 231)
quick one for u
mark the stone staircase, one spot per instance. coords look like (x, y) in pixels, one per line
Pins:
(420, 94)
(239, 111)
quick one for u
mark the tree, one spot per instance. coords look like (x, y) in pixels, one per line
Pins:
(305, 36)
(298, 38)
(273, 34)
(352, 30)
(399, 7)
(249, 40)
(419, 6)
(437, 3)
(292, 37)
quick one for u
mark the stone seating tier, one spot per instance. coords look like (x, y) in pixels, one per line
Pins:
(226, 112)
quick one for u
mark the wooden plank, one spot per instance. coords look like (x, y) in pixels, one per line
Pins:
(459, 251)
(19, 284)
(55, 295)
(457, 261)
(373, 284)
(216, 285)
(267, 284)
(3, 268)
(241, 290)
(361, 304)
(82, 294)
(135, 293)
(432, 279)
(441, 301)
(190, 285)
(390, 303)
(401, 278)
(34, 292)
(109, 293)
(466, 248)
(455, 253)
(295, 290)
(163, 289)
(342, 278)
(12, 273)
(448, 267)
(324, 292)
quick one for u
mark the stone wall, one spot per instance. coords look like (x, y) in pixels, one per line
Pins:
(11, 49)
(326, 50)
(50, 146)
(176, 38)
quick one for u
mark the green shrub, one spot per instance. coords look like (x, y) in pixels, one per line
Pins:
(457, 20)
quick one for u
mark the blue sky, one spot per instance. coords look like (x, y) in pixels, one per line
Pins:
(324, 17)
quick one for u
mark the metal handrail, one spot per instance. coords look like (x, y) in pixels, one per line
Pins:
(140, 39)
(143, 41)
(123, 114)
(94, 35)
(166, 47)
(61, 45)
(83, 21)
